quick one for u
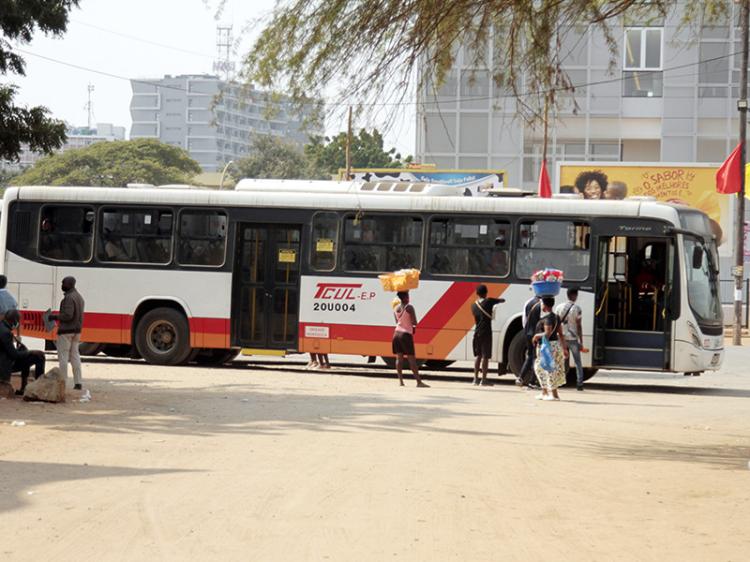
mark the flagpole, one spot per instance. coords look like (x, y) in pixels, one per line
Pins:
(739, 246)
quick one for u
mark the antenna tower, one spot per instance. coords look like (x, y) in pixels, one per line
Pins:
(89, 107)
(224, 65)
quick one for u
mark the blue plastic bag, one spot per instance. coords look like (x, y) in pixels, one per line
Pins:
(546, 358)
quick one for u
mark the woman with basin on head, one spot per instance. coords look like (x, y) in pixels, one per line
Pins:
(549, 325)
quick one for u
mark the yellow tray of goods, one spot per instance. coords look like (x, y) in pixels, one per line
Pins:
(401, 280)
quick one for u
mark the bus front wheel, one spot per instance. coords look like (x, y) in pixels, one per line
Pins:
(163, 337)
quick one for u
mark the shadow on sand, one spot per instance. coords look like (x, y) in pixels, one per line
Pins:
(35, 474)
(718, 456)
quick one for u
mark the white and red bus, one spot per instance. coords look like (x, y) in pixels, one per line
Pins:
(174, 275)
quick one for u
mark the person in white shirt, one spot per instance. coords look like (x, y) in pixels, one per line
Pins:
(570, 316)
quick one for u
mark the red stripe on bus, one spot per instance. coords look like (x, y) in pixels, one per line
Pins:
(447, 306)
(107, 327)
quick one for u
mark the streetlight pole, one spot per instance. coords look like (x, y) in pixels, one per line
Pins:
(224, 173)
(739, 245)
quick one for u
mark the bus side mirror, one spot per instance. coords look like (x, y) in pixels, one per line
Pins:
(697, 257)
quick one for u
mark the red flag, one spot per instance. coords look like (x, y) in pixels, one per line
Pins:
(545, 188)
(728, 177)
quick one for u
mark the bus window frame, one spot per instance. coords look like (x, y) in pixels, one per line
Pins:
(178, 233)
(106, 263)
(523, 219)
(337, 242)
(44, 205)
(342, 234)
(511, 222)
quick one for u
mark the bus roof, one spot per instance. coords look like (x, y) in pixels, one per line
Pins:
(333, 200)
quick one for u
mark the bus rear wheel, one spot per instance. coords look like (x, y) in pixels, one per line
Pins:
(163, 337)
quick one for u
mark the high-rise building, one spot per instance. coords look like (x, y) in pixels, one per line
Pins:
(659, 103)
(212, 119)
(77, 137)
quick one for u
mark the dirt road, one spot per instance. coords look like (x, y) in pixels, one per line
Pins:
(270, 463)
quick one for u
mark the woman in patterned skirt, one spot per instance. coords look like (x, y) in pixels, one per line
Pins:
(549, 325)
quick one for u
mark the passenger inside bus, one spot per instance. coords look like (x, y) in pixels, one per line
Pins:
(113, 249)
(66, 233)
(637, 286)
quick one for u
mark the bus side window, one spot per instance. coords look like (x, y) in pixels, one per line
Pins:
(557, 244)
(66, 233)
(135, 236)
(324, 242)
(469, 246)
(379, 243)
(202, 238)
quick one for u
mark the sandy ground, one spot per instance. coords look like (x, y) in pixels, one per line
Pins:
(268, 462)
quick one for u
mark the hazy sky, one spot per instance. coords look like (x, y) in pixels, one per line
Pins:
(144, 39)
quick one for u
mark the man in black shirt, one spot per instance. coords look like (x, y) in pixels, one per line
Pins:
(482, 343)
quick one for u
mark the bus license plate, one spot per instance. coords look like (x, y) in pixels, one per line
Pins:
(715, 359)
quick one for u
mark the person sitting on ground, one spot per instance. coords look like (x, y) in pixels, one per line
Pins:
(14, 356)
(7, 301)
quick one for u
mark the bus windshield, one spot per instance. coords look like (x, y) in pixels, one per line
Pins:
(702, 285)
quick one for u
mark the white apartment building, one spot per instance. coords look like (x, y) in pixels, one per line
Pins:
(660, 103)
(212, 119)
(78, 137)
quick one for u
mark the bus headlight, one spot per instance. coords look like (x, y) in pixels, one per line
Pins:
(694, 335)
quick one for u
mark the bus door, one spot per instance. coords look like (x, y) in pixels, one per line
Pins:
(265, 298)
(634, 291)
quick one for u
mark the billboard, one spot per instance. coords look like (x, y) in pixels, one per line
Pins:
(688, 184)
(476, 182)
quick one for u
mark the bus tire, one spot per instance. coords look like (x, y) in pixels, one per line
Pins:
(437, 364)
(163, 337)
(572, 379)
(90, 349)
(517, 353)
(216, 357)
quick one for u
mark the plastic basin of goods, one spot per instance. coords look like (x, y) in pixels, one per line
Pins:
(546, 288)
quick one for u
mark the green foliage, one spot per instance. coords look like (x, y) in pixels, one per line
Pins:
(19, 19)
(371, 50)
(327, 156)
(113, 164)
(273, 158)
(6, 177)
